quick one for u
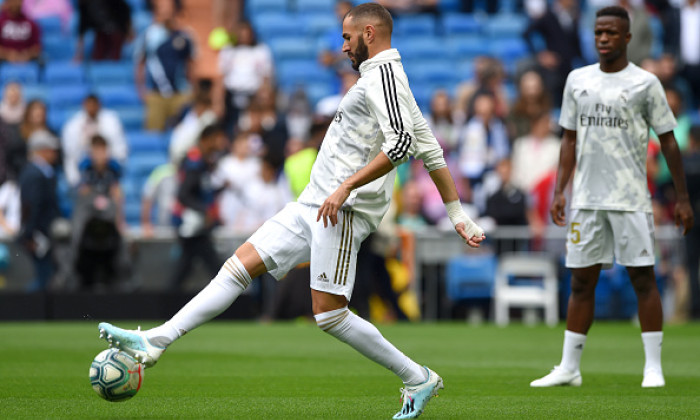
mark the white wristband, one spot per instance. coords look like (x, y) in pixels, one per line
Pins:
(457, 215)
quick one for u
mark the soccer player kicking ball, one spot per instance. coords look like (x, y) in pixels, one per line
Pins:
(606, 113)
(377, 127)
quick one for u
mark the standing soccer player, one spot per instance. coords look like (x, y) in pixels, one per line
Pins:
(377, 127)
(606, 113)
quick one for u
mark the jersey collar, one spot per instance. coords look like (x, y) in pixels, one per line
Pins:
(392, 54)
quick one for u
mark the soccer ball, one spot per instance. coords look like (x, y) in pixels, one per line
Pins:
(115, 376)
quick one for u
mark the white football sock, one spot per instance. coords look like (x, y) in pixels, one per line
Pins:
(366, 338)
(573, 348)
(652, 350)
(215, 298)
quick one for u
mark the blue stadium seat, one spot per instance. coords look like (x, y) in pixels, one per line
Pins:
(118, 95)
(132, 212)
(64, 73)
(509, 50)
(62, 96)
(315, 6)
(142, 164)
(470, 276)
(460, 24)
(415, 25)
(31, 92)
(110, 73)
(292, 73)
(317, 91)
(506, 26)
(136, 5)
(58, 48)
(424, 48)
(22, 73)
(254, 7)
(147, 141)
(293, 48)
(434, 72)
(467, 46)
(465, 69)
(320, 23)
(132, 117)
(141, 20)
(278, 25)
(449, 5)
(57, 117)
(50, 26)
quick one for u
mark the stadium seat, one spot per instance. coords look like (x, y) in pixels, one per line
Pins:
(424, 48)
(118, 95)
(132, 212)
(506, 26)
(526, 280)
(293, 48)
(467, 46)
(136, 5)
(254, 7)
(140, 20)
(57, 117)
(140, 165)
(64, 73)
(270, 26)
(58, 48)
(470, 277)
(146, 141)
(434, 72)
(50, 26)
(509, 49)
(292, 73)
(22, 73)
(103, 73)
(320, 23)
(318, 91)
(132, 117)
(414, 25)
(460, 24)
(66, 96)
(314, 6)
(31, 92)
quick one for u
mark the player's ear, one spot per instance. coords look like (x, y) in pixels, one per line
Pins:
(369, 32)
(628, 37)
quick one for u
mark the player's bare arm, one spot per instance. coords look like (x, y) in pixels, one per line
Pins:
(465, 227)
(377, 168)
(683, 213)
(567, 162)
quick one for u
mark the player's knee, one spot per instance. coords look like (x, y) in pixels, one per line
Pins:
(330, 321)
(643, 284)
(582, 288)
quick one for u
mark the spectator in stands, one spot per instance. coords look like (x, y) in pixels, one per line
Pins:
(532, 101)
(264, 196)
(37, 9)
(691, 163)
(297, 165)
(195, 209)
(443, 120)
(10, 206)
(483, 141)
(558, 27)
(411, 215)
(164, 56)
(298, 115)
(187, 132)
(666, 69)
(98, 218)
(20, 36)
(405, 7)
(15, 136)
(682, 38)
(82, 127)
(39, 205)
(640, 45)
(159, 191)
(12, 108)
(237, 170)
(489, 76)
(111, 22)
(330, 44)
(12, 105)
(534, 155)
(245, 67)
(264, 120)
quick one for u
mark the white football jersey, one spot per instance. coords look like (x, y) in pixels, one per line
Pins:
(611, 114)
(378, 114)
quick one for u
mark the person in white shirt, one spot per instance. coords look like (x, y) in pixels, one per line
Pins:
(378, 126)
(539, 146)
(187, 132)
(245, 67)
(77, 132)
(607, 111)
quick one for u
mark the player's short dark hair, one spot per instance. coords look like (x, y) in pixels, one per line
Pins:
(92, 97)
(211, 130)
(98, 141)
(615, 11)
(372, 11)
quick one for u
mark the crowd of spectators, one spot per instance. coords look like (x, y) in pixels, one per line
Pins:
(500, 142)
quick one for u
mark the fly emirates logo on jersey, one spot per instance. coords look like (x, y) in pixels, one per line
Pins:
(604, 116)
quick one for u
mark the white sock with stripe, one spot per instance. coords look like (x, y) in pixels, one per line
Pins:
(215, 298)
(652, 350)
(573, 348)
(366, 338)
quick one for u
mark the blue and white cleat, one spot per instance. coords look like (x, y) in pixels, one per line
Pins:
(132, 342)
(416, 397)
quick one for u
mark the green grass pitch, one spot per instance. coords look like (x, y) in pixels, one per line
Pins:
(294, 371)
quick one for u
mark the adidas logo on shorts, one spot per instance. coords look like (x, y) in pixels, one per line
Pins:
(322, 278)
(644, 253)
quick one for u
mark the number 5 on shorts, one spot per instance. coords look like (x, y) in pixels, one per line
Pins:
(576, 238)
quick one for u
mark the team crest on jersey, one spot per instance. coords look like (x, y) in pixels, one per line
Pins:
(338, 116)
(623, 97)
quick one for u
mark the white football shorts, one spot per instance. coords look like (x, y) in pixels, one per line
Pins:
(293, 236)
(596, 236)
